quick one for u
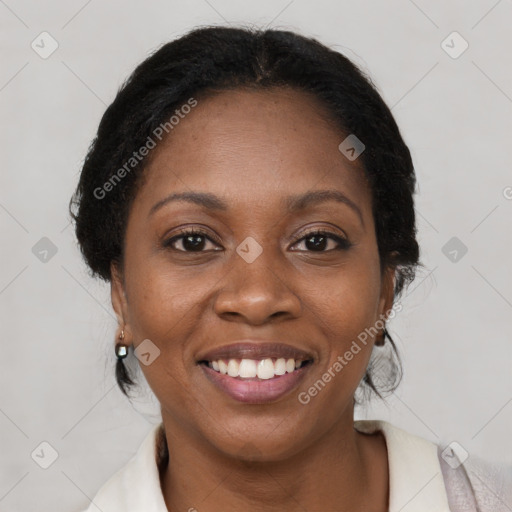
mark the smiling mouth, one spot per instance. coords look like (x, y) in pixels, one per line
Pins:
(256, 381)
(256, 369)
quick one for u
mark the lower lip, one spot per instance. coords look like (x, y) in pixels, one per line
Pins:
(256, 391)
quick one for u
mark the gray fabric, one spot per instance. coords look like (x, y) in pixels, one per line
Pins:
(476, 485)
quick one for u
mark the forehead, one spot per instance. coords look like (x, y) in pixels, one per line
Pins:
(253, 145)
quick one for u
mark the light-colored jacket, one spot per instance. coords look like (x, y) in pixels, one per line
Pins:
(423, 477)
(475, 485)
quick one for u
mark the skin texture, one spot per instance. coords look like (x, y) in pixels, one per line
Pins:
(253, 149)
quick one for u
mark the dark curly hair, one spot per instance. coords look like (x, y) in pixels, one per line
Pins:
(210, 59)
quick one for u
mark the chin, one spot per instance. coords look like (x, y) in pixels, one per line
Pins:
(260, 439)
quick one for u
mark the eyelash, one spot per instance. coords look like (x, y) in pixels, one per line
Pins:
(343, 243)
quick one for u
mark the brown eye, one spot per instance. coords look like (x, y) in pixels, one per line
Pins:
(192, 240)
(324, 241)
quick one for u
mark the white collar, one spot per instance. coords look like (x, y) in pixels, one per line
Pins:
(136, 486)
(416, 481)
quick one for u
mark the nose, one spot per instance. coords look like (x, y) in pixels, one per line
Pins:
(257, 292)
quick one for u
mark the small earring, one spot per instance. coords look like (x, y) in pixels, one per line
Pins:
(121, 348)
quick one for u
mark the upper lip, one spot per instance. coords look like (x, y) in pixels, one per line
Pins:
(255, 350)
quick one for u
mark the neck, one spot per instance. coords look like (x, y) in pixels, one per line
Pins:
(344, 470)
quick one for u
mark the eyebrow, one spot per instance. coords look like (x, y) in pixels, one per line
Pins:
(293, 203)
(299, 202)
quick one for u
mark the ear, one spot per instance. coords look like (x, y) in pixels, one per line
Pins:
(118, 296)
(387, 293)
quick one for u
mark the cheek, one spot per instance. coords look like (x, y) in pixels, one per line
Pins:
(166, 307)
(162, 301)
(347, 301)
(343, 314)
(345, 310)
(164, 310)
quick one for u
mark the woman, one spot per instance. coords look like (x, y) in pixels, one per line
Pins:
(250, 199)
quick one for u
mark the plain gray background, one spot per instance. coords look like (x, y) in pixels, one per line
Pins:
(57, 325)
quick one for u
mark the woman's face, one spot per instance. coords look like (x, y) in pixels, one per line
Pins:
(254, 273)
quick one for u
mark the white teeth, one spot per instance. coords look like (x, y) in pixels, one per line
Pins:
(233, 367)
(247, 368)
(265, 369)
(250, 368)
(223, 367)
(280, 366)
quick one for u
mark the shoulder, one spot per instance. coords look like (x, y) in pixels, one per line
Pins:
(136, 486)
(452, 479)
(473, 483)
(415, 479)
